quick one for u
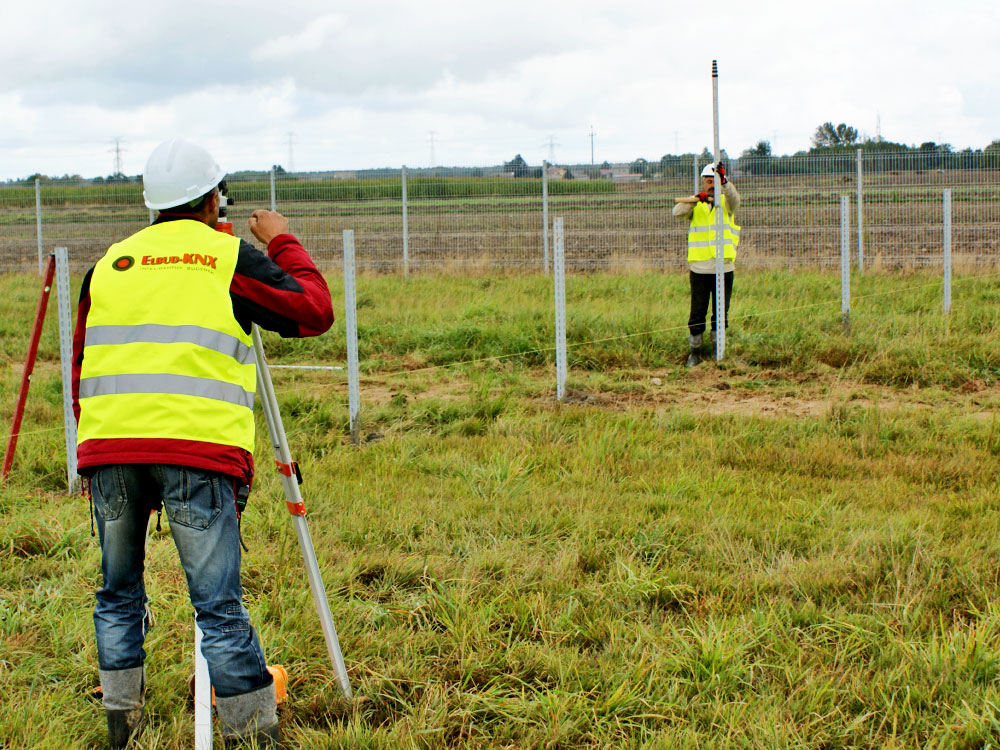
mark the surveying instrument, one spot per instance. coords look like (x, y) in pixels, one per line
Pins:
(291, 478)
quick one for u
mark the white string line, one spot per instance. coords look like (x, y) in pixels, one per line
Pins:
(383, 376)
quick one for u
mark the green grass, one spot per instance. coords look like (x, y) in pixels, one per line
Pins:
(794, 548)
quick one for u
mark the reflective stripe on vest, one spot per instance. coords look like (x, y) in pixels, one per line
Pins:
(162, 334)
(106, 385)
(164, 356)
(701, 233)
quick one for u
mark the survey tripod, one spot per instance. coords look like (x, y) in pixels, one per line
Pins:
(291, 478)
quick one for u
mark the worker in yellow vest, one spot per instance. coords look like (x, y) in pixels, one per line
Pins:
(164, 376)
(699, 211)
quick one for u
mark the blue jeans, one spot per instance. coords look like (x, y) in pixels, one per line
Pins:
(201, 508)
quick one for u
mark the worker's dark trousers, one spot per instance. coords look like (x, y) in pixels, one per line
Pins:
(703, 291)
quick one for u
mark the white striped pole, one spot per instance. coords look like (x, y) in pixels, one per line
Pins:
(720, 227)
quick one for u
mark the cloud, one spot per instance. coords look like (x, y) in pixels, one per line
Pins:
(364, 83)
(310, 40)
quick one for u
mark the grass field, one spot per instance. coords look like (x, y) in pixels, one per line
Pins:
(798, 547)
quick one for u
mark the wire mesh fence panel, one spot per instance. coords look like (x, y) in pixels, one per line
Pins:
(903, 200)
(81, 215)
(617, 216)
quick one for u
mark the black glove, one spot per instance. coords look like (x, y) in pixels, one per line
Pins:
(704, 197)
(721, 171)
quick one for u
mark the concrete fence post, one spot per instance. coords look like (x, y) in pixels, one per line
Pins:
(38, 225)
(860, 201)
(559, 278)
(845, 262)
(351, 334)
(545, 217)
(64, 308)
(947, 251)
(406, 228)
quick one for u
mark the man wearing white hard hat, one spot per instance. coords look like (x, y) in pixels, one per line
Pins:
(699, 211)
(164, 376)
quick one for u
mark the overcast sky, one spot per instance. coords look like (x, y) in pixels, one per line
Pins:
(316, 85)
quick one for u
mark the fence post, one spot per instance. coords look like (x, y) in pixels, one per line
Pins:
(66, 358)
(861, 231)
(947, 251)
(697, 187)
(545, 217)
(406, 229)
(274, 193)
(152, 217)
(559, 277)
(351, 332)
(845, 262)
(38, 223)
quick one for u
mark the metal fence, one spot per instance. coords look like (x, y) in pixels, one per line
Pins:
(413, 220)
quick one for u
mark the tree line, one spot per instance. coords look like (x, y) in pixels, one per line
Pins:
(833, 149)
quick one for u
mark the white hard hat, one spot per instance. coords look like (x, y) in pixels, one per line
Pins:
(708, 171)
(178, 172)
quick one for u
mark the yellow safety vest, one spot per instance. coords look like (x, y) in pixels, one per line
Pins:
(701, 233)
(164, 356)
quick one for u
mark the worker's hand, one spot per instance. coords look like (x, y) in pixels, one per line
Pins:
(266, 225)
(721, 171)
(704, 197)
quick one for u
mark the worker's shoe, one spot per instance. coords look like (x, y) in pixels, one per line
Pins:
(695, 356)
(123, 704)
(263, 739)
(123, 727)
(249, 720)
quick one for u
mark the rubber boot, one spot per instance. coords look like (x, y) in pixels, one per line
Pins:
(695, 356)
(123, 704)
(249, 720)
(265, 739)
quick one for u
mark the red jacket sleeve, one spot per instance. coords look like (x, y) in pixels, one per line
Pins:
(282, 291)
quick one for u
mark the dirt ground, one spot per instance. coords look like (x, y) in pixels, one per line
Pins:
(703, 390)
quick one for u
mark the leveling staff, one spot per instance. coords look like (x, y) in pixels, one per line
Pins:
(164, 375)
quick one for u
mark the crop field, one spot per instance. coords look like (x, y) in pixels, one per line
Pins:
(490, 224)
(797, 547)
